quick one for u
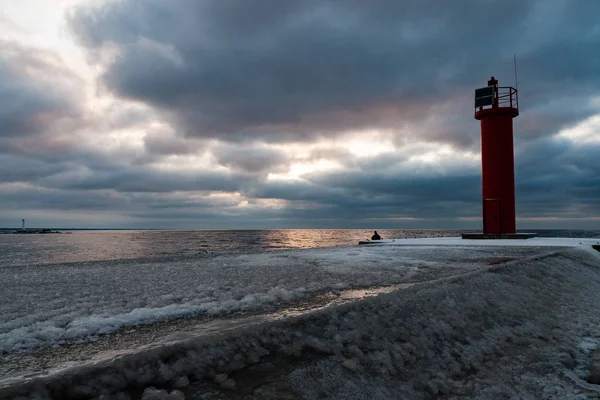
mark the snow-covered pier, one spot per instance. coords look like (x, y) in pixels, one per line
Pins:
(460, 242)
(460, 320)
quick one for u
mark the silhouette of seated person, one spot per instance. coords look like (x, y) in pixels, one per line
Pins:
(376, 236)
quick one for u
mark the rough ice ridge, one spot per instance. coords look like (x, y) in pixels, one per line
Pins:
(509, 331)
(43, 305)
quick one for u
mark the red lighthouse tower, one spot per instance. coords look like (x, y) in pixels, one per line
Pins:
(495, 107)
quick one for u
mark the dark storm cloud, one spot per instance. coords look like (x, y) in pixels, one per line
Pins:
(40, 101)
(36, 91)
(412, 188)
(554, 177)
(156, 205)
(121, 116)
(291, 70)
(163, 143)
(376, 195)
(251, 159)
(49, 147)
(221, 78)
(557, 176)
(164, 204)
(147, 180)
(20, 169)
(28, 197)
(348, 199)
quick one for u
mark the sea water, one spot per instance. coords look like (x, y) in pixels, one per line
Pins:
(99, 245)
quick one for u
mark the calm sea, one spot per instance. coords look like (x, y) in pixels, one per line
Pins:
(80, 246)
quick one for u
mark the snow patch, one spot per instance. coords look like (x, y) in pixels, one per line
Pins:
(589, 344)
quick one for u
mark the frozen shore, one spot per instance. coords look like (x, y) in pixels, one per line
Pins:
(45, 305)
(495, 323)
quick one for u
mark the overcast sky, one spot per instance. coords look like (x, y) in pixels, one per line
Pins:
(291, 114)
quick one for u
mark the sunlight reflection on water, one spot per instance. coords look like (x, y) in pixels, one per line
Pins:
(81, 246)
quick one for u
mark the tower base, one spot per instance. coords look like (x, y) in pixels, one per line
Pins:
(498, 235)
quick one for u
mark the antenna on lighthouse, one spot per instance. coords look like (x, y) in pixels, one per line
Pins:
(516, 78)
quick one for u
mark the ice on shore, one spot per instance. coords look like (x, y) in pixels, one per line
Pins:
(523, 329)
(44, 305)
